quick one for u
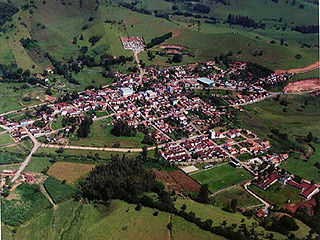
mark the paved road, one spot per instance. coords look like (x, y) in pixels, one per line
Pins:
(36, 145)
(266, 204)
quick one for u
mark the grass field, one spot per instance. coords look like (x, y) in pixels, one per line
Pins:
(5, 139)
(221, 176)
(69, 171)
(100, 136)
(244, 199)
(278, 195)
(304, 167)
(7, 157)
(13, 94)
(38, 164)
(30, 201)
(206, 211)
(269, 114)
(57, 190)
(306, 75)
(187, 231)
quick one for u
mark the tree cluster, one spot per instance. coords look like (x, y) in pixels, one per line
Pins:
(84, 128)
(122, 178)
(7, 10)
(244, 21)
(121, 128)
(158, 40)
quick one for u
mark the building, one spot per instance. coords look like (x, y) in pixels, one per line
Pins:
(206, 82)
(126, 92)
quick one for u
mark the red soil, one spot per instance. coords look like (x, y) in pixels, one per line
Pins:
(303, 85)
(177, 181)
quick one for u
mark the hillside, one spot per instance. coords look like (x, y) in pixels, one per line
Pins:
(60, 28)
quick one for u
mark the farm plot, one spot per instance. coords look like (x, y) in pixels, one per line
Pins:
(177, 180)
(69, 171)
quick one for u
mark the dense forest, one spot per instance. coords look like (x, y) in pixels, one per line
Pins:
(6, 12)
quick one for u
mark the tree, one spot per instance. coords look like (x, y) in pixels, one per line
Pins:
(84, 128)
(203, 194)
(234, 204)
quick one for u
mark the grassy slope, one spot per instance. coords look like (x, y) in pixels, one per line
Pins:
(304, 168)
(5, 139)
(119, 221)
(269, 114)
(221, 176)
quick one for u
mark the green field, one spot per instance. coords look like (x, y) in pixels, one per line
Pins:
(306, 75)
(221, 176)
(244, 199)
(119, 220)
(13, 94)
(277, 194)
(304, 167)
(206, 211)
(100, 136)
(5, 139)
(38, 164)
(57, 190)
(27, 202)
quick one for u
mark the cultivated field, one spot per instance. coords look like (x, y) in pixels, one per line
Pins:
(177, 181)
(69, 171)
(303, 85)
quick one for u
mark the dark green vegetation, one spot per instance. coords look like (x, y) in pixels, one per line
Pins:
(221, 177)
(7, 10)
(58, 190)
(30, 201)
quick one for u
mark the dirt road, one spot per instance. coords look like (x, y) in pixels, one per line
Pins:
(309, 68)
(36, 145)
(266, 204)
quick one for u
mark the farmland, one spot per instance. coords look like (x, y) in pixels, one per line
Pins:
(5, 139)
(69, 171)
(29, 203)
(221, 177)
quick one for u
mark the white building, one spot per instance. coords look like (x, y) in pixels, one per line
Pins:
(126, 92)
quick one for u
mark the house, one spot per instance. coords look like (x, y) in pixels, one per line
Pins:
(267, 181)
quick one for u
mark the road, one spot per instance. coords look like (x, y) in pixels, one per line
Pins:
(265, 203)
(136, 57)
(36, 145)
(98, 148)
